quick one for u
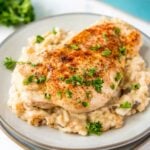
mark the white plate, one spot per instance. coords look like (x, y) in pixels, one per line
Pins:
(134, 128)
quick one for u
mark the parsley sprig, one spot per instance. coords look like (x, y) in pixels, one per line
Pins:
(34, 79)
(16, 12)
(106, 52)
(95, 47)
(77, 80)
(10, 63)
(97, 84)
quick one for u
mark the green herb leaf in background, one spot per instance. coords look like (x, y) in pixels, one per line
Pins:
(16, 12)
(98, 84)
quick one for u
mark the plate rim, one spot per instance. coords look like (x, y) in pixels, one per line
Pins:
(44, 146)
(20, 135)
(14, 139)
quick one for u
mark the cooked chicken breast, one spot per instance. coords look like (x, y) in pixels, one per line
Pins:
(86, 73)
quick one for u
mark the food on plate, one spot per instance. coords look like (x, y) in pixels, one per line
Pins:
(84, 83)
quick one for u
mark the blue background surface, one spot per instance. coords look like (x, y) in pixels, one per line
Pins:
(138, 8)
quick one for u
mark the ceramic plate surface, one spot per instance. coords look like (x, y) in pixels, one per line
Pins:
(134, 128)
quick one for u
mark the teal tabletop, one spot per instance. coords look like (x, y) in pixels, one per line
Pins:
(138, 8)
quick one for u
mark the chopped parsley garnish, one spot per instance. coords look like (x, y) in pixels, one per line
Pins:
(95, 47)
(126, 105)
(75, 80)
(104, 35)
(91, 72)
(62, 78)
(118, 76)
(97, 84)
(72, 68)
(88, 94)
(135, 86)
(68, 94)
(28, 80)
(59, 94)
(39, 39)
(94, 128)
(112, 86)
(106, 52)
(9, 63)
(122, 50)
(35, 79)
(117, 30)
(85, 104)
(74, 46)
(87, 82)
(79, 80)
(47, 96)
(40, 79)
(54, 31)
